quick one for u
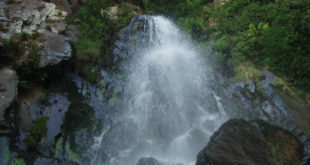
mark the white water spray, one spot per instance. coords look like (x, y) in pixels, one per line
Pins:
(168, 111)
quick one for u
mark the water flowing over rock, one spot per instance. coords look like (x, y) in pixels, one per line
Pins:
(172, 101)
(166, 110)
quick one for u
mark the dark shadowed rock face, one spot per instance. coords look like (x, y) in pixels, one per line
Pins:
(148, 161)
(241, 142)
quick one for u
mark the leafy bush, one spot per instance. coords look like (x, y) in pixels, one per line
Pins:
(277, 40)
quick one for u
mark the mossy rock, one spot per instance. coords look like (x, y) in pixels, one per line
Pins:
(240, 142)
(73, 156)
(18, 161)
(36, 133)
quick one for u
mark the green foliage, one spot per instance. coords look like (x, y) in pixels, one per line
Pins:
(18, 161)
(246, 71)
(23, 52)
(10, 49)
(10, 1)
(48, 27)
(24, 36)
(36, 132)
(88, 50)
(270, 34)
(113, 98)
(72, 155)
(97, 34)
(59, 146)
(27, 70)
(6, 155)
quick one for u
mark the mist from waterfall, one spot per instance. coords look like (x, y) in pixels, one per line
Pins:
(168, 110)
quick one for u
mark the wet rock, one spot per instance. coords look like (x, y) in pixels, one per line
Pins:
(56, 48)
(54, 106)
(276, 109)
(242, 142)
(45, 161)
(6, 156)
(71, 32)
(25, 100)
(8, 88)
(38, 17)
(51, 161)
(148, 161)
(57, 110)
(251, 86)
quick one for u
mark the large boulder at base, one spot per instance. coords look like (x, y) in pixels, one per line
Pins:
(8, 88)
(241, 142)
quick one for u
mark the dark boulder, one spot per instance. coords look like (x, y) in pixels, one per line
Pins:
(256, 142)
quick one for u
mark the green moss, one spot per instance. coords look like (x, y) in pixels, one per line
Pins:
(72, 155)
(6, 156)
(18, 161)
(296, 93)
(59, 146)
(100, 88)
(113, 98)
(37, 132)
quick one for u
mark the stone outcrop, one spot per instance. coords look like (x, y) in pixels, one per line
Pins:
(41, 18)
(8, 89)
(255, 142)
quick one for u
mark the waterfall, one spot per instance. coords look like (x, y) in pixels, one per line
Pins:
(167, 110)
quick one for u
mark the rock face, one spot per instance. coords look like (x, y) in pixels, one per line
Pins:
(55, 49)
(8, 89)
(44, 19)
(148, 161)
(242, 142)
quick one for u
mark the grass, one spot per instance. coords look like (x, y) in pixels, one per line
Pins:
(246, 71)
(295, 93)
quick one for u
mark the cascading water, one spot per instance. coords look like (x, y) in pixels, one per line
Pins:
(167, 110)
